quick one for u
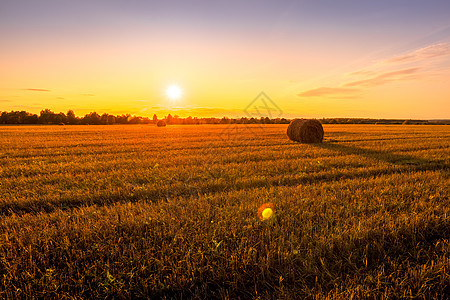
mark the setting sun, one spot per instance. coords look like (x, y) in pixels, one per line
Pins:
(174, 92)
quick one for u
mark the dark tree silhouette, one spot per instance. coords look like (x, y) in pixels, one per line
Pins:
(71, 118)
(47, 116)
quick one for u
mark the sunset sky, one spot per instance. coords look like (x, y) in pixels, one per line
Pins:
(315, 58)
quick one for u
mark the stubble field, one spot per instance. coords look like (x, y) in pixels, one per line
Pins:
(137, 211)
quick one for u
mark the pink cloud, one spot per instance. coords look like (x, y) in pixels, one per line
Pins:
(37, 90)
(327, 91)
(384, 78)
(376, 78)
(442, 49)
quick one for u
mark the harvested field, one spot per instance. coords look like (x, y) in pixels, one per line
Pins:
(135, 211)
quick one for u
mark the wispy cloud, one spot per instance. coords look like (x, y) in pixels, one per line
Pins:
(419, 57)
(385, 77)
(352, 89)
(4, 101)
(329, 92)
(363, 73)
(385, 71)
(37, 90)
(29, 108)
(432, 51)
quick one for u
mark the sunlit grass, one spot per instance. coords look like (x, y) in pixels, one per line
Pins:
(136, 211)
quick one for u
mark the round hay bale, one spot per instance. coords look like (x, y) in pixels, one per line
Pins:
(161, 123)
(305, 131)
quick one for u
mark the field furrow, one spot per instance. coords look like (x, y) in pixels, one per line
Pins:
(172, 212)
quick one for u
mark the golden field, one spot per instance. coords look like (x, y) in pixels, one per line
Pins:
(136, 211)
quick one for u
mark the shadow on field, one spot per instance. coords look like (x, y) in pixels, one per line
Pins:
(393, 158)
(405, 163)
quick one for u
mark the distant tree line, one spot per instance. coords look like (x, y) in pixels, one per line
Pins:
(381, 121)
(47, 116)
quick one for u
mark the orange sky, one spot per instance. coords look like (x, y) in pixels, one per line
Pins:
(349, 60)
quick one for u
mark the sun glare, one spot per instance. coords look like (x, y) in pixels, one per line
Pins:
(174, 92)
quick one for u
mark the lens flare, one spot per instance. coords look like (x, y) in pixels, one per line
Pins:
(265, 211)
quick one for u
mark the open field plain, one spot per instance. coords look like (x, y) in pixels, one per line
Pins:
(139, 211)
